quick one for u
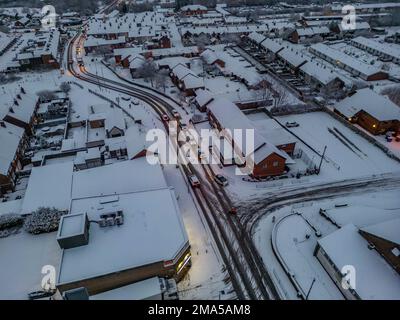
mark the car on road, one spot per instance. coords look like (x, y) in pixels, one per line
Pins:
(183, 126)
(165, 117)
(194, 181)
(292, 124)
(176, 114)
(233, 210)
(221, 180)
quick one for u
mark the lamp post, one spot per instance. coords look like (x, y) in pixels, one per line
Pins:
(309, 290)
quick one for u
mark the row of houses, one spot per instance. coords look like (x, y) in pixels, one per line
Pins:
(272, 145)
(185, 79)
(367, 258)
(385, 51)
(317, 74)
(32, 50)
(354, 66)
(230, 65)
(17, 118)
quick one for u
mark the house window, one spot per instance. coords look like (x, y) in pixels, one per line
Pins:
(275, 163)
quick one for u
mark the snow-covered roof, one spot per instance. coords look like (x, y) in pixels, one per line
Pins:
(319, 72)
(171, 62)
(380, 107)
(174, 51)
(245, 28)
(5, 41)
(312, 31)
(121, 177)
(375, 279)
(366, 6)
(343, 59)
(135, 24)
(136, 61)
(388, 230)
(49, 186)
(383, 48)
(272, 45)
(87, 155)
(187, 76)
(192, 81)
(273, 132)
(209, 56)
(203, 96)
(152, 232)
(292, 56)
(114, 119)
(234, 64)
(234, 19)
(359, 25)
(256, 37)
(35, 45)
(194, 7)
(231, 117)
(23, 111)
(97, 42)
(23, 20)
(10, 137)
(140, 290)
(135, 139)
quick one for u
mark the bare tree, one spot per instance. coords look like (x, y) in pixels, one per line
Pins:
(161, 80)
(65, 87)
(281, 97)
(46, 95)
(147, 71)
(264, 94)
(201, 41)
(102, 50)
(393, 94)
(231, 38)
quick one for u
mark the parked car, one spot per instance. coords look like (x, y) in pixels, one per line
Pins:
(40, 294)
(194, 181)
(183, 126)
(292, 124)
(221, 180)
(319, 101)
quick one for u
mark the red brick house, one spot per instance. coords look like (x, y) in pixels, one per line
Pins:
(267, 159)
(193, 10)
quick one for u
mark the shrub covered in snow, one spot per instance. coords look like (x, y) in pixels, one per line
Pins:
(43, 220)
(10, 220)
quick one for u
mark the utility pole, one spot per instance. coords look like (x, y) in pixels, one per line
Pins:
(309, 290)
(322, 158)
